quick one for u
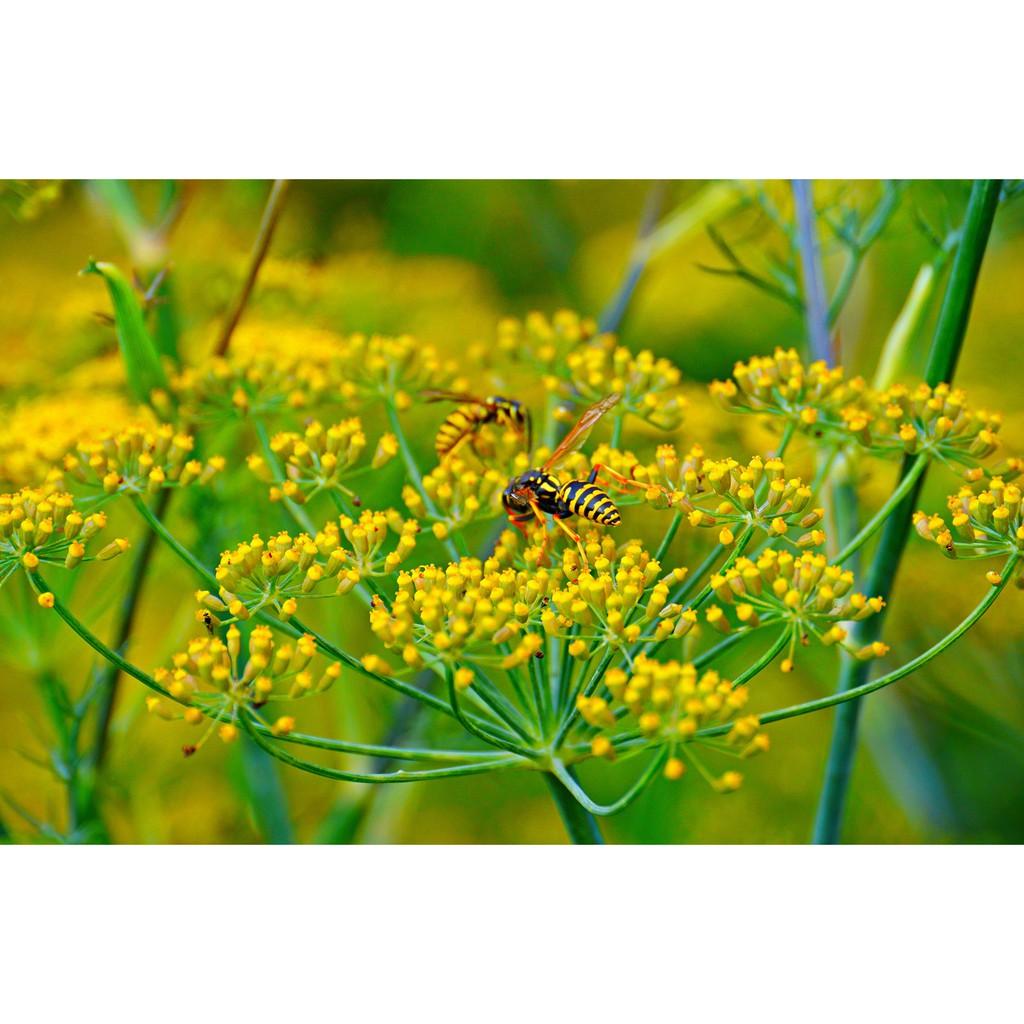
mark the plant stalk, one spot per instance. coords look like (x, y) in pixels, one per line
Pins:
(271, 215)
(942, 360)
(579, 823)
(815, 303)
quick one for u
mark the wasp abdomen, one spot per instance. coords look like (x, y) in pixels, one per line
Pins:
(589, 502)
(462, 422)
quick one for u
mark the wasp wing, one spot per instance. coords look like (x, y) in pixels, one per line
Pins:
(435, 395)
(578, 434)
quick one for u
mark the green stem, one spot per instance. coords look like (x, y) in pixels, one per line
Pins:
(591, 686)
(580, 795)
(963, 279)
(129, 605)
(765, 660)
(471, 726)
(942, 360)
(260, 737)
(157, 526)
(299, 514)
(874, 227)
(579, 822)
(670, 535)
(616, 437)
(413, 470)
(905, 486)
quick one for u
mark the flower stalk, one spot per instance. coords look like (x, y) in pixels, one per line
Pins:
(943, 356)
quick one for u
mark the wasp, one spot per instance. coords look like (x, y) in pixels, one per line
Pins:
(537, 493)
(465, 422)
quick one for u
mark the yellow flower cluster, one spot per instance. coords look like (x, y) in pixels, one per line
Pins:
(610, 603)
(981, 525)
(469, 607)
(43, 527)
(277, 573)
(758, 494)
(819, 399)
(462, 491)
(280, 368)
(649, 386)
(211, 681)
(248, 384)
(139, 460)
(811, 397)
(372, 367)
(813, 597)
(939, 418)
(320, 459)
(669, 702)
(545, 342)
(36, 433)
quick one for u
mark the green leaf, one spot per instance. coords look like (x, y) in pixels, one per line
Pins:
(261, 787)
(342, 822)
(141, 361)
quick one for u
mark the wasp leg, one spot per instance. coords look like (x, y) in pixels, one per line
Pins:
(561, 524)
(622, 481)
(538, 513)
(520, 525)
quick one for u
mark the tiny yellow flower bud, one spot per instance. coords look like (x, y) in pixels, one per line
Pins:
(283, 726)
(228, 732)
(46, 600)
(113, 549)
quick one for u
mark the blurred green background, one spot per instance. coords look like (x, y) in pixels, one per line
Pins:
(942, 758)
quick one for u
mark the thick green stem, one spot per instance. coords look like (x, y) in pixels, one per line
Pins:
(580, 824)
(942, 360)
(565, 776)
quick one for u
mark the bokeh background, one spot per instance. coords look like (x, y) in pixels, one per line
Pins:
(942, 757)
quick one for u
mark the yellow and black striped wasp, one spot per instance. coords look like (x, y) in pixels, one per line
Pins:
(464, 423)
(537, 493)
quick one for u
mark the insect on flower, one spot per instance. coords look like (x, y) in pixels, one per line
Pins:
(464, 423)
(537, 493)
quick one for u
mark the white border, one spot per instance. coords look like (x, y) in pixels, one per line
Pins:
(510, 934)
(534, 89)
